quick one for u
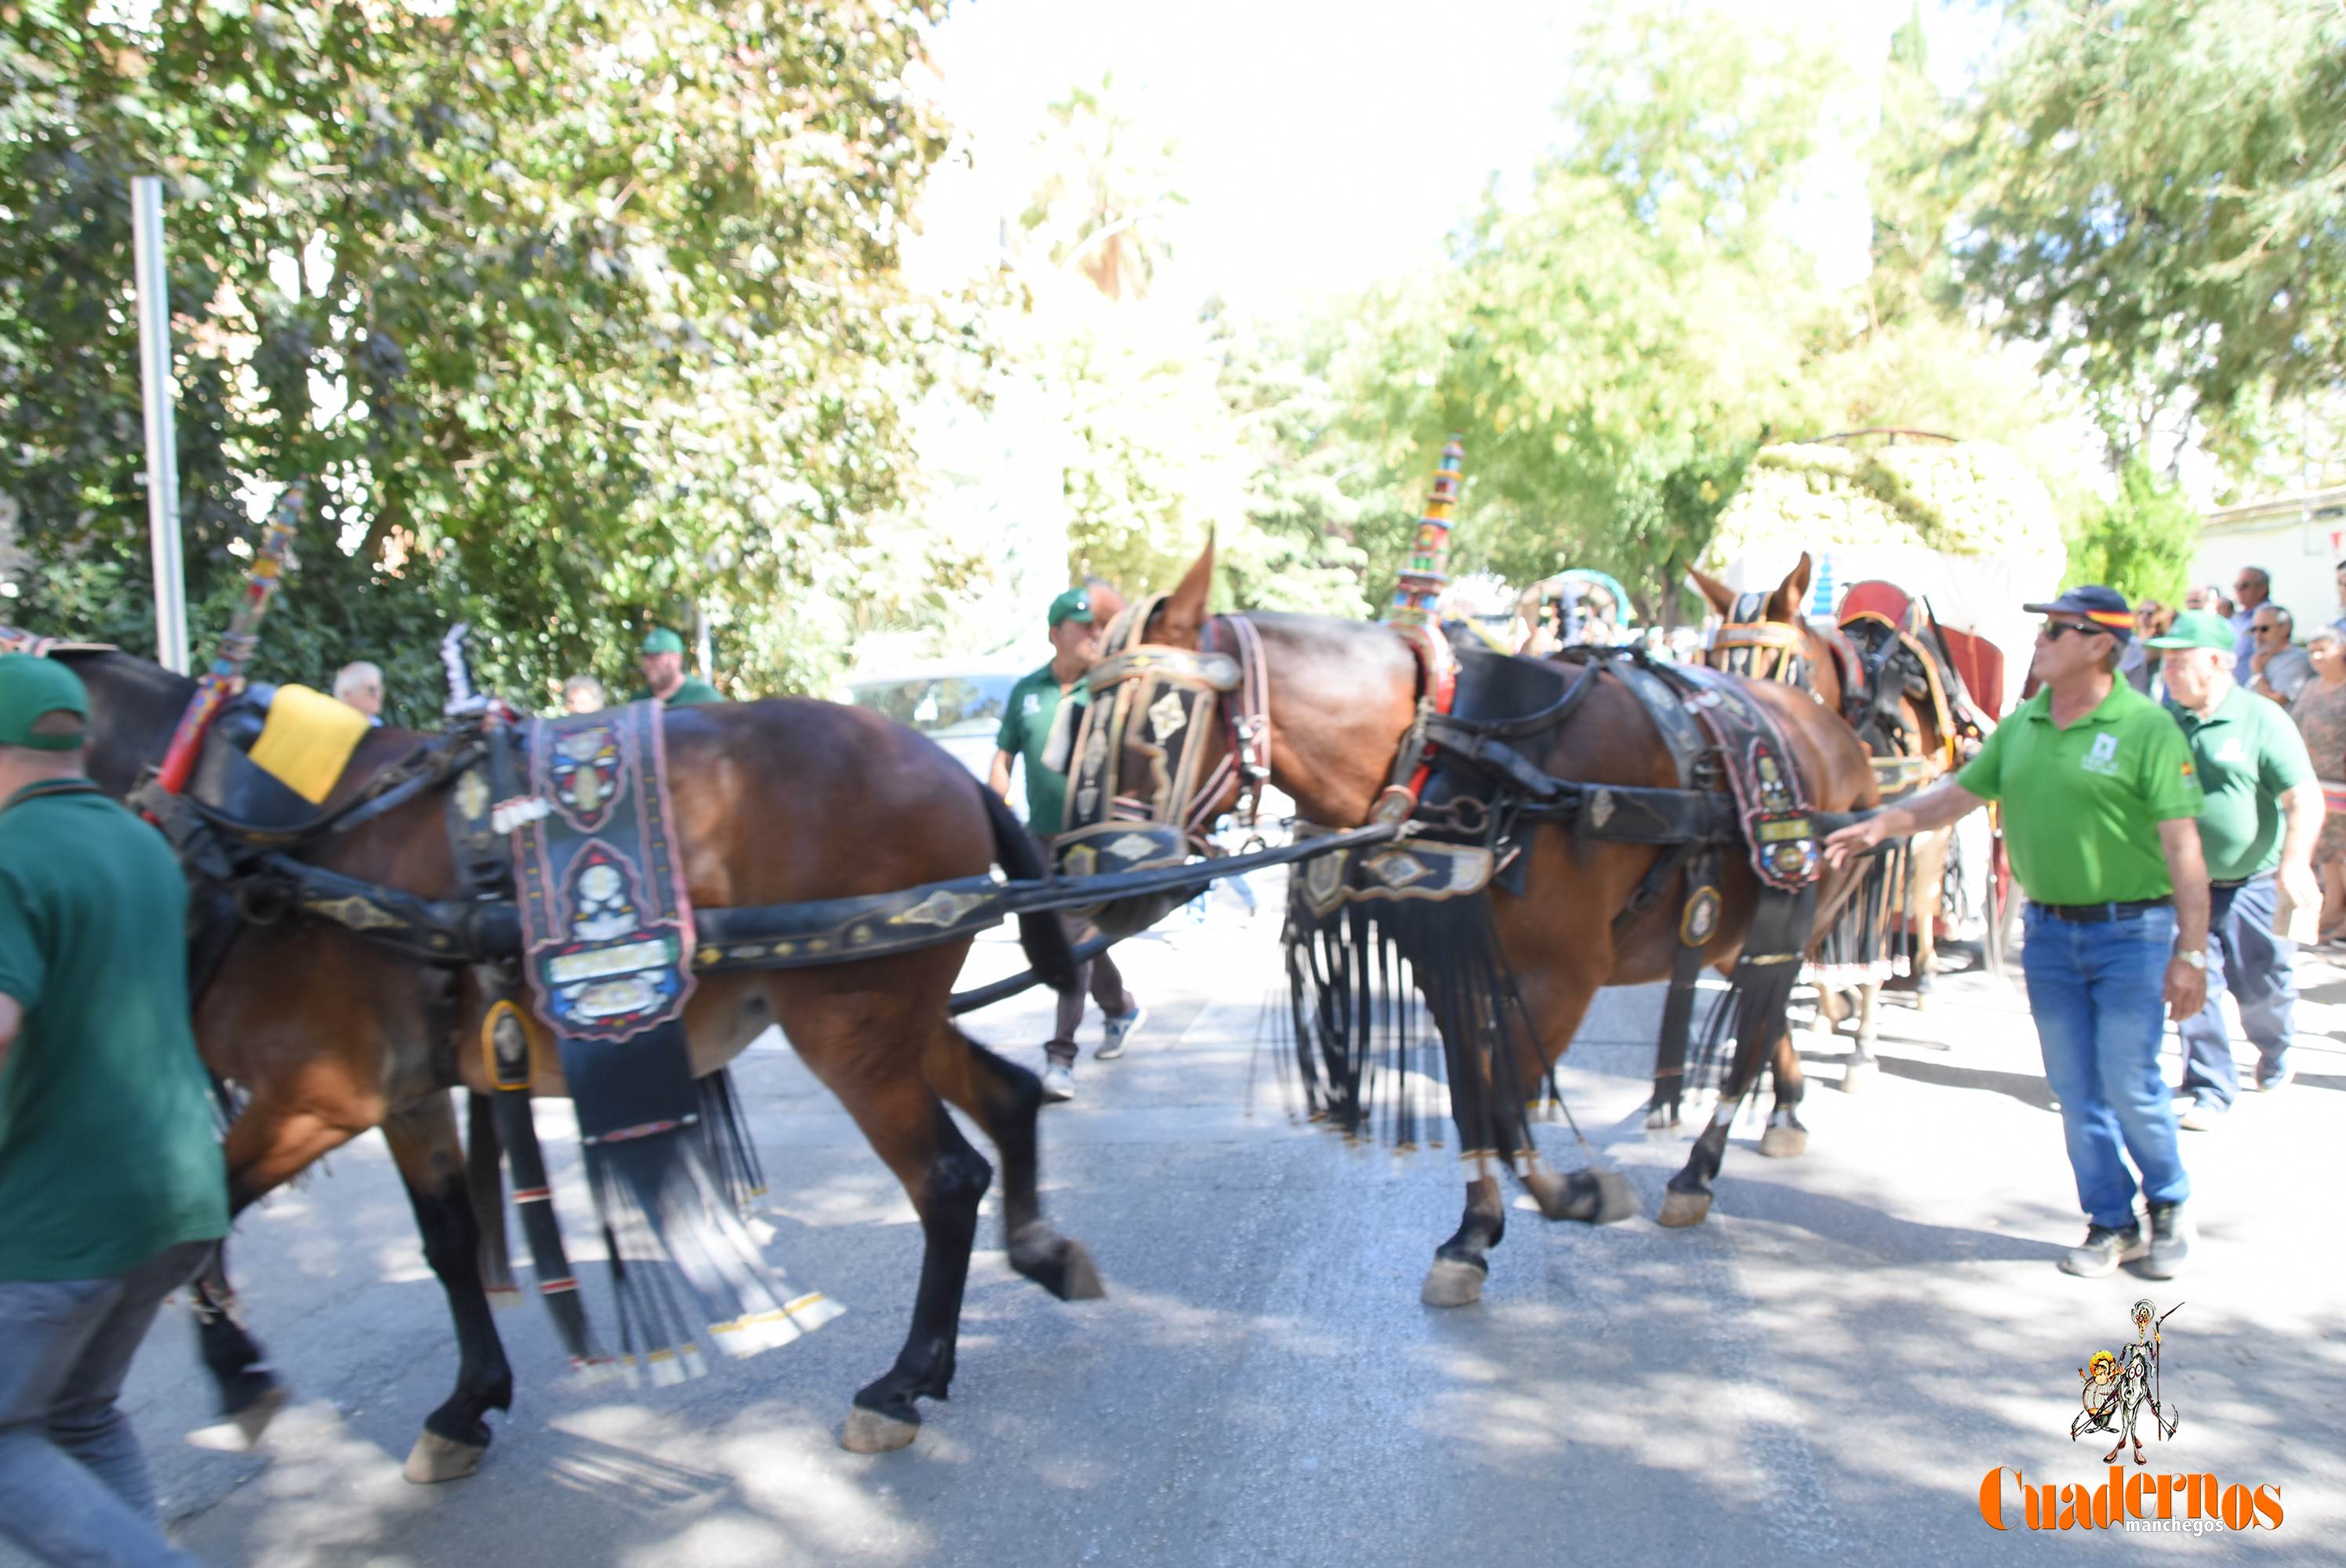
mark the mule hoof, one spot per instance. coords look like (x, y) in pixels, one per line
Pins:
(1450, 1283)
(1661, 1125)
(1590, 1196)
(868, 1432)
(1058, 1263)
(1858, 1075)
(1680, 1209)
(1784, 1143)
(434, 1459)
(239, 1431)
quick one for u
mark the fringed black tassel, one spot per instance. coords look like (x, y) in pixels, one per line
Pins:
(680, 1256)
(725, 1142)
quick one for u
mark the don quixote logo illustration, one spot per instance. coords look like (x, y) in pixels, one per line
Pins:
(2123, 1395)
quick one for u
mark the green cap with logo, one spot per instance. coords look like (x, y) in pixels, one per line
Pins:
(2198, 629)
(31, 689)
(1074, 605)
(662, 640)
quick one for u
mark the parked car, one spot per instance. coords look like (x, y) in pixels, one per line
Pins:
(958, 705)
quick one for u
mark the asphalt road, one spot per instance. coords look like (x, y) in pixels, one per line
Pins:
(1825, 1370)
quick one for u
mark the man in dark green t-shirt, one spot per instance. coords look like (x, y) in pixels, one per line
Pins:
(1030, 717)
(2264, 814)
(112, 1188)
(2100, 804)
(662, 658)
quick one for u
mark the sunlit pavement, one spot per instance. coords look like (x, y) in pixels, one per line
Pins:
(1825, 1370)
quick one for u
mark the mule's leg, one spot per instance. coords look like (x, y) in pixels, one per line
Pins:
(485, 1181)
(1861, 1063)
(423, 1143)
(1005, 1100)
(867, 1051)
(1785, 1135)
(266, 1147)
(1687, 1198)
(1927, 898)
(1459, 1263)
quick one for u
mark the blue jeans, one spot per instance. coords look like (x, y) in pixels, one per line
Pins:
(2260, 969)
(73, 1487)
(2094, 990)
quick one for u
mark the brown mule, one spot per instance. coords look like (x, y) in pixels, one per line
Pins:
(1782, 646)
(1342, 695)
(775, 801)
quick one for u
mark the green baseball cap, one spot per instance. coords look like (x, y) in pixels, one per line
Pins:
(1074, 605)
(2198, 629)
(662, 640)
(31, 689)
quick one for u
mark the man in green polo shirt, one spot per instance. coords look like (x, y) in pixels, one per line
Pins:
(1029, 719)
(2264, 814)
(112, 1188)
(2099, 797)
(662, 658)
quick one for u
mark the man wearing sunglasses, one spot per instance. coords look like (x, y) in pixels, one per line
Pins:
(2251, 588)
(2099, 805)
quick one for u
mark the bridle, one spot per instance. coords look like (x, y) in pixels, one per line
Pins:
(1750, 645)
(1165, 703)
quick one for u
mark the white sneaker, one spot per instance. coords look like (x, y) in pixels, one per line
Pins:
(1117, 1033)
(1058, 1083)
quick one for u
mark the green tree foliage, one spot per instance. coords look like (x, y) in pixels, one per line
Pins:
(2143, 543)
(2163, 206)
(1617, 344)
(579, 314)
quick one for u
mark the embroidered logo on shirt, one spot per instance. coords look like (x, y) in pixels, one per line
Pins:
(1034, 703)
(2231, 750)
(2103, 757)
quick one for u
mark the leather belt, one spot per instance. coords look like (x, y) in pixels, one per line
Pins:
(2094, 914)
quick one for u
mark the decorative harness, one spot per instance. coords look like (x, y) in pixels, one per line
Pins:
(1163, 704)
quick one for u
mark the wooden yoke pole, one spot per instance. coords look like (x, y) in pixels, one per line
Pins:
(217, 684)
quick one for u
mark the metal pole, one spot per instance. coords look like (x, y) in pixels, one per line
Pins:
(162, 440)
(702, 651)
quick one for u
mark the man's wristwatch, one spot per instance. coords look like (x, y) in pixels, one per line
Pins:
(2197, 957)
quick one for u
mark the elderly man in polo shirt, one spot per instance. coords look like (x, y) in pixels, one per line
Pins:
(2099, 799)
(2264, 814)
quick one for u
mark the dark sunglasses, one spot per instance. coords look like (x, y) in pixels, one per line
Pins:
(2054, 631)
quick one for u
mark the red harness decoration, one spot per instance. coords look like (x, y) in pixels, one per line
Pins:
(217, 684)
(1437, 689)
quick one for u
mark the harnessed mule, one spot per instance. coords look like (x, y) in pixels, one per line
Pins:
(1898, 691)
(1560, 847)
(339, 988)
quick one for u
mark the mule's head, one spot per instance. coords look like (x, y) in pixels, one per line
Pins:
(1154, 762)
(1765, 636)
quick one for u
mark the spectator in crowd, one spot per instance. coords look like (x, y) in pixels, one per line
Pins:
(111, 1178)
(662, 658)
(2137, 663)
(2252, 588)
(2098, 801)
(2319, 711)
(2279, 668)
(584, 694)
(359, 685)
(1030, 715)
(2257, 834)
(2341, 579)
(2205, 597)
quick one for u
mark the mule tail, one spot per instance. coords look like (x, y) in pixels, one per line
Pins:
(1042, 935)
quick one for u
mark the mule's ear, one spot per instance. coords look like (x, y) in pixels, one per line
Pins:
(1784, 603)
(1721, 596)
(1183, 615)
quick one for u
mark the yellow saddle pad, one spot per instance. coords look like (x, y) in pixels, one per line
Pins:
(307, 740)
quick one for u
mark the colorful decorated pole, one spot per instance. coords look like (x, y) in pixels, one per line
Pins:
(217, 684)
(1416, 598)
